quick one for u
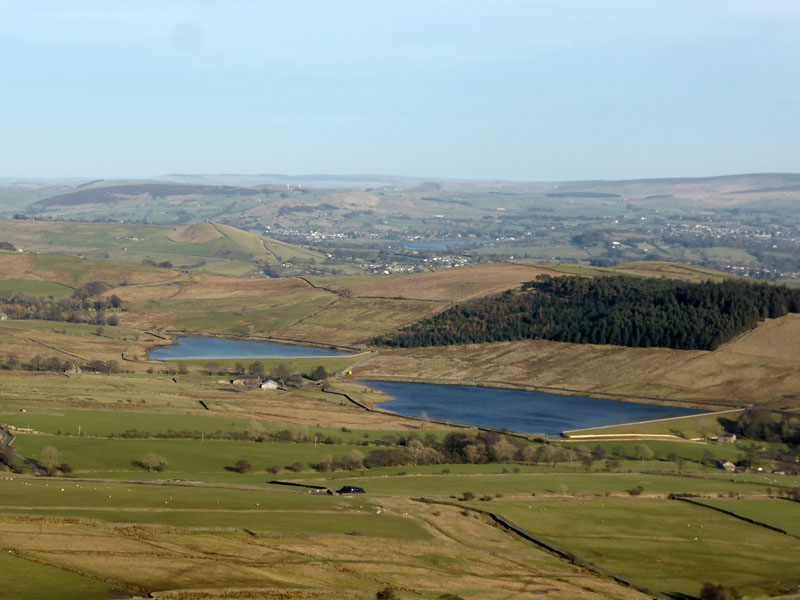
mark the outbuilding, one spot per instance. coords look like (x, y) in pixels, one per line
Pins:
(350, 489)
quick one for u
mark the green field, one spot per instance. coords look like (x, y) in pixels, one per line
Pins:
(35, 288)
(205, 507)
(65, 424)
(693, 451)
(194, 458)
(24, 580)
(669, 546)
(694, 426)
(195, 524)
(783, 514)
(537, 483)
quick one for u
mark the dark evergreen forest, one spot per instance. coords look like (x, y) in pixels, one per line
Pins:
(619, 310)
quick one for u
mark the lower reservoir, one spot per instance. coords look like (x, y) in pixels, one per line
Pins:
(202, 347)
(516, 410)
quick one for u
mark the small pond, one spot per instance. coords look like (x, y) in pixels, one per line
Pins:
(202, 347)
(515, 410)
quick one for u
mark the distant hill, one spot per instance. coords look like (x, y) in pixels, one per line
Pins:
(198, 233)
(122, 193)
(207, 246)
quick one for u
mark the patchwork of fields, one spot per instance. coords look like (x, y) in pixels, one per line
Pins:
(161, 471)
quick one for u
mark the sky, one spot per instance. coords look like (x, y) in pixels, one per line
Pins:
(527, 90)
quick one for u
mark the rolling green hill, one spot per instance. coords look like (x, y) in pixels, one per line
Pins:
(209, 247)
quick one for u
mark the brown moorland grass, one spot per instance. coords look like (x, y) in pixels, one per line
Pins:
(351, 320)
(74, 271)
(26, 339)
(762, 367)
(199, 286)
(449, 285)
(466, 556)
(126, 393)
(671, 271)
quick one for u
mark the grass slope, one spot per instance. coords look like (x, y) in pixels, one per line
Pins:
(668, 546)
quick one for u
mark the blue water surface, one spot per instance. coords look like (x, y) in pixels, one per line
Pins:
(201, 347)
(515, 410)
(432, 245)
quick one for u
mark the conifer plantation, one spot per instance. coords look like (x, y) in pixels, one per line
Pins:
(618, 310)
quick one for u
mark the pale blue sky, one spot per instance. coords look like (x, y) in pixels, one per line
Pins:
(524, 90)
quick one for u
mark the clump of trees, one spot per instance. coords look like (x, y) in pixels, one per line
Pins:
(243, 466)
(760, 424)
(164, 264)
(153, 462)
(468, 447)
(319, 373)
(619, 310)
(50, 462)
(56, 364)
(280, 373)
(82, 307)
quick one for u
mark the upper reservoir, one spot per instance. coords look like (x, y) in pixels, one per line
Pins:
(432, 244)
(201, 347)
(515, 410)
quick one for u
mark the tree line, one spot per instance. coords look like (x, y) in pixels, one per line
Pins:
(618, 310)
(81, 307)
(56, 364)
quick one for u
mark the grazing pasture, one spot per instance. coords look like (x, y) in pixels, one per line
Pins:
(783, 514)
(23, 579)
(287, 545)
(669, 546)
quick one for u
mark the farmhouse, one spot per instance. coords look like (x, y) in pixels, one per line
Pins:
(269, 384)
(727, 465)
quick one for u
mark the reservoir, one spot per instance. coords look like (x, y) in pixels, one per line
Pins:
(516, 410)
(202, 347)
(433, 244)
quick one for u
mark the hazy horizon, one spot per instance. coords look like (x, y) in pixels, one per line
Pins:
(511, 90)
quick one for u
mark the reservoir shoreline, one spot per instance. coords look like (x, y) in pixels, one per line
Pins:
(516, 410)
